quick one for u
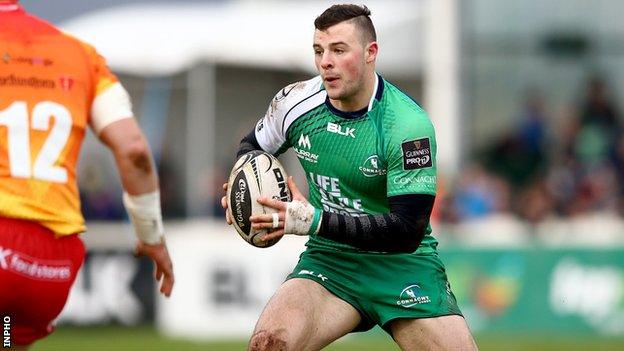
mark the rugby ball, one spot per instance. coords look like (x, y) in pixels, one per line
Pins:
(254, 175)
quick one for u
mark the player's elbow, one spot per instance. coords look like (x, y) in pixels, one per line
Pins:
(405, 246)
(408, 241)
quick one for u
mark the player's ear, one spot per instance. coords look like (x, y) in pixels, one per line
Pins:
(371, 50)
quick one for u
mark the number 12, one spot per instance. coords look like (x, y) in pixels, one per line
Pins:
(15, 118)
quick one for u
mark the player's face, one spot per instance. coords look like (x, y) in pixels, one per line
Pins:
(341, 58)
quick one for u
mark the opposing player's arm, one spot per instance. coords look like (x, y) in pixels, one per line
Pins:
(141, 196)
(112, 120)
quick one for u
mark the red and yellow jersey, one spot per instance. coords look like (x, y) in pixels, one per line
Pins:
(50, 88)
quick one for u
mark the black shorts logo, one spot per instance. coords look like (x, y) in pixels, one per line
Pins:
(416, 154)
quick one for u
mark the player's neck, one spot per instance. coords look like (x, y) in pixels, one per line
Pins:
(361, 99)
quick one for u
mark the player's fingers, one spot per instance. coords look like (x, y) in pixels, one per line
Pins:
(168, 280)
(167, 285)
(266, 217)
(228, 219)
(265, 225)
(158, 274)
(225, 186)
(273, 235)
(274, 203)
(225, 207)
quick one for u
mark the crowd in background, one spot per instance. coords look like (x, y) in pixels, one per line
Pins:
(539, 169)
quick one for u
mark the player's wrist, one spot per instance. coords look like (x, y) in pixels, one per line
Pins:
(145, 215)
(301, 218)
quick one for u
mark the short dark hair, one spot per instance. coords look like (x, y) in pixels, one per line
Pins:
(345, 12)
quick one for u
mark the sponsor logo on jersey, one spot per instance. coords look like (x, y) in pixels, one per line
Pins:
(66, 82)
(32, 82)
(304, 143)
(32, 61)
(372, 167)
(332, 198)
(412, 295)
(425, 179)
(416, 154)
(337, 129)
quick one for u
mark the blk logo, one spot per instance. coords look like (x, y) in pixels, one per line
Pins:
(336, 128)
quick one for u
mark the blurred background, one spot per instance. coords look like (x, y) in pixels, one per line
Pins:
(525, 97)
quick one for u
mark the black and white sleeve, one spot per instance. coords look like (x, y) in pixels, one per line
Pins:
(399, 231)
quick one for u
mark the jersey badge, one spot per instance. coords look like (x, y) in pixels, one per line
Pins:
(416, 154)
(412, 295)
(372, 167)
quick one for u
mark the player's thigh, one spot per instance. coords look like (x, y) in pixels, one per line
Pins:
(303, 315)
(437, 333)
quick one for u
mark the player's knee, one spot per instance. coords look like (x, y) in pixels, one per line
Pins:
(267, 340)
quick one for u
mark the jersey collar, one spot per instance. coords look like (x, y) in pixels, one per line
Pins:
(377, 94)
(374, 95)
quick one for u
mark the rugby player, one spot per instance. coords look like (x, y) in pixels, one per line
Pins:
(52, 86)
(368, 152)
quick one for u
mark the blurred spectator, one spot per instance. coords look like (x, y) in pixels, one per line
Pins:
(599, 125)
(520, 155)
(171, 191)
(479, 194)
(97, 197)
(535, 203)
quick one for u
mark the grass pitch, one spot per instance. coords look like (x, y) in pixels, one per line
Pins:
(147, 339)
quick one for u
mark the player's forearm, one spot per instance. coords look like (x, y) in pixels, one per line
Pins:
(399, 231)
(141, 197)
(137, 171)
(132, 156)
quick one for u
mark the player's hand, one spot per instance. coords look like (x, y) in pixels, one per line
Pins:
(225, 205)
(163, 269)
(265, 221)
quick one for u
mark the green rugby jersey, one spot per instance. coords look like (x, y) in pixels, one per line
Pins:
(353, 165)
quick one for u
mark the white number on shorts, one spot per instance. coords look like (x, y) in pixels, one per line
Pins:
(15, 118)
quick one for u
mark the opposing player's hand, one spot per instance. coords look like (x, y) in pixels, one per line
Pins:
(163, 269)
(225, 205)
(265, 221)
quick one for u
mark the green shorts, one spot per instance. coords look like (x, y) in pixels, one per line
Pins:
(382, 287)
